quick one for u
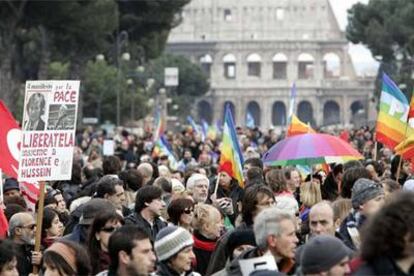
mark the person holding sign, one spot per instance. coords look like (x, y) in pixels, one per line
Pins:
(35, 108)
(22, 231)
(275, 234)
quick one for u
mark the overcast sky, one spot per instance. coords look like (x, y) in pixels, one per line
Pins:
(361, 56)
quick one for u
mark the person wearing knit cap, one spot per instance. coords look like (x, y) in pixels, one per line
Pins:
(228, 189)
(367, 198)
(11, 188)
(325, 255)
(174, 249)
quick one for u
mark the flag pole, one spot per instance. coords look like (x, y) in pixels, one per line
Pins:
(39, 220)
(401, 156)
(217, 184)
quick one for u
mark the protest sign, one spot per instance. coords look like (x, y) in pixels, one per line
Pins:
(265, 262)
(108, 147)
(48, 130)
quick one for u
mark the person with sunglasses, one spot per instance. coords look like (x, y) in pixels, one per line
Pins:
(22, 228)
(101, 229)
(181, 212)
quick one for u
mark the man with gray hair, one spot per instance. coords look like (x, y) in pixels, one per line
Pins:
(146, 170)
(197, 186)
(22, 228)
(275, 233)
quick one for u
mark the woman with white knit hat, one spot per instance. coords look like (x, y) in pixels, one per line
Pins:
(174, 249)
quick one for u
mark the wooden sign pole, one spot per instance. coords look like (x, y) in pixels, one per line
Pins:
(39, 220)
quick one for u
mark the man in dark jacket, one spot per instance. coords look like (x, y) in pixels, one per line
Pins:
(148, 207)
(367, 199)
(22, 227)
(88, 210)
(386, 247)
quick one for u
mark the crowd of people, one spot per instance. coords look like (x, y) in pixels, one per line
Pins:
(133, 213)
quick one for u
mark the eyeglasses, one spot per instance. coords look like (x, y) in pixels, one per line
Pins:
(188, 211)
(30, 226)
(109, 229)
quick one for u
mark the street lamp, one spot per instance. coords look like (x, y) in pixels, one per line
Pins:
(121, 38)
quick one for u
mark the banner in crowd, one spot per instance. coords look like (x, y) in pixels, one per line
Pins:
(10, 135)
(48, 130)
(231, 159)
(392, 127)
(298, 127)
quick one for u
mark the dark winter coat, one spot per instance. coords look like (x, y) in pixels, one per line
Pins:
(152, 231)
(381, 266)
(203, 248)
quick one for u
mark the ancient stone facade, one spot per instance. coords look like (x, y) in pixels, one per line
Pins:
(254, 50)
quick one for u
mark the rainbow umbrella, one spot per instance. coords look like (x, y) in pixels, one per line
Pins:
(309, 149)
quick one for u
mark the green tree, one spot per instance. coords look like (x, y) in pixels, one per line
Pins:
(386, 27)
(101, 82)
(148, 23)
(34, 32)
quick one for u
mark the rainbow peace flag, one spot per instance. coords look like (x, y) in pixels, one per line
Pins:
(162, 147)
(231, 159)
(250, 123)
(292, 103)
(298, 127)
(392, 124)
(159, 125)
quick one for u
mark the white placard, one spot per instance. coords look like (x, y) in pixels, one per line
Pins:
(171, 76)
(48, 130)
(266, 262)
(108, 147)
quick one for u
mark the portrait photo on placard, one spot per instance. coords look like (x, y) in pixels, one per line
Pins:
(61, 117)
(35, 111)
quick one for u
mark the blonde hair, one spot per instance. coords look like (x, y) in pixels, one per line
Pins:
(341, 208)
(202, 215)
(310, 193)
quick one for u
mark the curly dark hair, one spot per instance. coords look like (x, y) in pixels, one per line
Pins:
(350, 177)
(276, 180)
(385, 233)
(252, 196)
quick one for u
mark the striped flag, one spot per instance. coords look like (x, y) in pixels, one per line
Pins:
(298, 127)
(292, 103)
(205, 127)
(231, 159)
(194, 126)
(250, 123)
(159, 125)
(411, 113)
(392, 124)
(406, 147)
(10, 134)
(163, 147)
